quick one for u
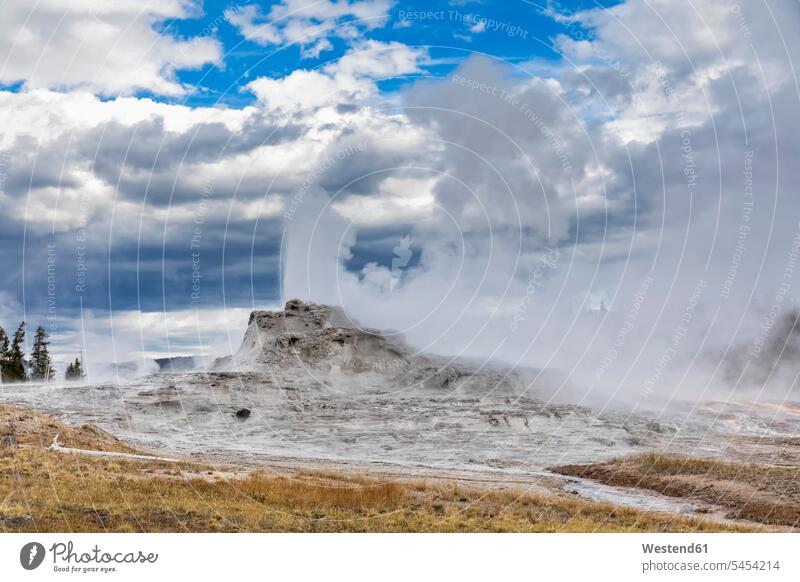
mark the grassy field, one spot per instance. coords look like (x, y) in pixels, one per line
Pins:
(47, 491)
(761, 493)
(43, 490)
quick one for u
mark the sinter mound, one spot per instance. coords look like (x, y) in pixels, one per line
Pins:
(322, 345)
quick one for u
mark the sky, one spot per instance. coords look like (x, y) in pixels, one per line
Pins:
(475, 175)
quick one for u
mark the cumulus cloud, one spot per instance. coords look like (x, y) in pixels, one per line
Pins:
(346, 81)
(128, 187)
(309, 23)
(112, 48)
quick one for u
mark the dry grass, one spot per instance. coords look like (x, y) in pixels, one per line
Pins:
(761, 493)
(20, 426)
(47, 491)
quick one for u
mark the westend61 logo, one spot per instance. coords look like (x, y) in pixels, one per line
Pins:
(66, 559)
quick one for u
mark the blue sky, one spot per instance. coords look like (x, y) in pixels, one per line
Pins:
(518, 32)
(524, 31)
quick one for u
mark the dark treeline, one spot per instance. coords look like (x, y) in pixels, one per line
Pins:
(14, 367)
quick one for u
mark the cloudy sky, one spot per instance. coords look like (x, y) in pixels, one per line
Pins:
(477, 175)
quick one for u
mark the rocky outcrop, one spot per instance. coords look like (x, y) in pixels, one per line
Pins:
(320, 336)
(309, 342)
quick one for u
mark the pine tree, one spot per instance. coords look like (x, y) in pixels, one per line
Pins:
(42, 368)
(14, 370)
(75, 370)
(5, 354)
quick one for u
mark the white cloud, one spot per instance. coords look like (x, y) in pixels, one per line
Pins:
(397, 200)
(350, 79)
(202, 331)
(110, 48)
(47, 114)
(309, 23)
(57, 134)
(479, 27)
(303, 90)
(676, 52)
(133, 156)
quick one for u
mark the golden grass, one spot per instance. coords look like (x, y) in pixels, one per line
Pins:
(761, 493)
(45, 491)
(20, 426)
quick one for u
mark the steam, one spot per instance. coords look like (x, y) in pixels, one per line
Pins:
(770, 360)
(669, 203)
